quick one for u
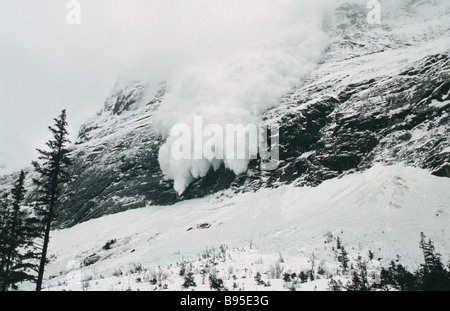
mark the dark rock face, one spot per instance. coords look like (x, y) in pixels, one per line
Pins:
(115, 165)
(367, 122)
(444, 171)
(342, 119)
(103, 184)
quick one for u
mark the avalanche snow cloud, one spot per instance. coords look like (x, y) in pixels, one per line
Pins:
(48, 65)
(273, 46)
(224, 60)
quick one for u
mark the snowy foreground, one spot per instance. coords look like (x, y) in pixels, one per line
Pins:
(272, 231)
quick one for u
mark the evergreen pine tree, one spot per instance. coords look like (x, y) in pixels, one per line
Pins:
(338, 243)
(343, 259)
(396, 277)
(432, 275)
(3, 233)
(3, 218)
(52, 174)
(312, 271)
(216, 283)
(189, 280)
(359, 280)
(303, 277)
(10, 227)
(18, 234)
(363, 274)
(335, 286)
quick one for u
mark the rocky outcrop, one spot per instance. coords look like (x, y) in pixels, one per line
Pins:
(378, 96)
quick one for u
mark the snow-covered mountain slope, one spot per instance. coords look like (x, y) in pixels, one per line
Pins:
(379, 94)
(383, 209)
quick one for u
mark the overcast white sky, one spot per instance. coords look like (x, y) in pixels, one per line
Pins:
(48, 65)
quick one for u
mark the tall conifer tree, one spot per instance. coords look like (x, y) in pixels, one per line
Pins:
(17, 242)
(52, 170)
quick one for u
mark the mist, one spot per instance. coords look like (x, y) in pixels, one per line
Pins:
(279, 48)
(214, 55)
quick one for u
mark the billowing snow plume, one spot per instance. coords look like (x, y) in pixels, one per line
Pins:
(275, 44)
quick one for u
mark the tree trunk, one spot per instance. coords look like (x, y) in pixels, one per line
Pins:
(47, 233)
(44, 251)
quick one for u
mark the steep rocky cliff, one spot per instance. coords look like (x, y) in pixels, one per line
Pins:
(380, 94)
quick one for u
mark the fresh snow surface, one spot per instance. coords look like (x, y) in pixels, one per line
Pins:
(383, 209)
